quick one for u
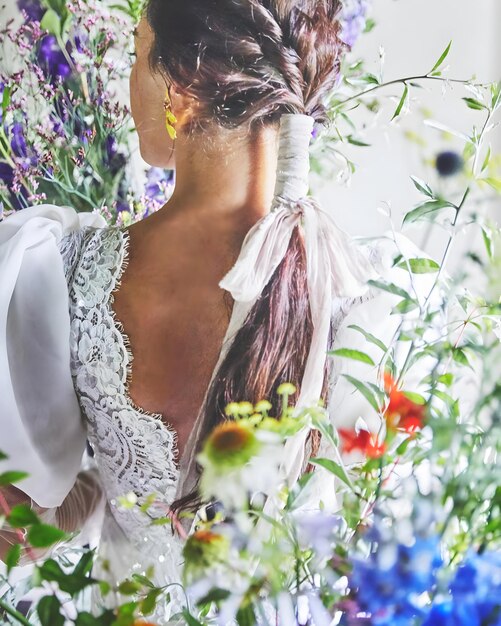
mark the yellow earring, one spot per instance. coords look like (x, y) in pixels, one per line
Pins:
(170, 118)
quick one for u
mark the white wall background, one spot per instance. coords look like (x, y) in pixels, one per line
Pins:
(413, 34)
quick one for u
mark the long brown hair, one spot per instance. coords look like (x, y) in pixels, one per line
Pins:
(247, 62)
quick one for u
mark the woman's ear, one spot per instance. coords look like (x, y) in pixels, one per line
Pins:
(182, 105)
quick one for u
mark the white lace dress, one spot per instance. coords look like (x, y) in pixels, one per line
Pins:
(135, 450)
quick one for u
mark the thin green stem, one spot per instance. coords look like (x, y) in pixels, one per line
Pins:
(15, 614)
(402, 80)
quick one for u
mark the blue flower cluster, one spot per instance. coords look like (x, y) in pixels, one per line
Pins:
(393, 579)
(396, 583)
(474, 597)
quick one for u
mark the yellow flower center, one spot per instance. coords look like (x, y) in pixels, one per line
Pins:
(229, 437)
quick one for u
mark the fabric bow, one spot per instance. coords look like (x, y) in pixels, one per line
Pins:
(335, 268)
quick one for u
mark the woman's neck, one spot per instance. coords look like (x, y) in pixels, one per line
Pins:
(232, 178)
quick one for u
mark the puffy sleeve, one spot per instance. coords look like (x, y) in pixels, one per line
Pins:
(41, 429)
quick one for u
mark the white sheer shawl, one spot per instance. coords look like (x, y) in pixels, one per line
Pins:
(41, 428)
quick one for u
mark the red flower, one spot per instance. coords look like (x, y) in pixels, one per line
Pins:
(364, 441)
(401, 412)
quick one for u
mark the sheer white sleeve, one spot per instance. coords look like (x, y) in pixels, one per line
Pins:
(41, 429)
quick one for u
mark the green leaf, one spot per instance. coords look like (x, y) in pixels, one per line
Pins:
(426, 210)
(104, 587)
(51, 22)
(356, 355)
(442, 57)
(390, 287)
(422, 187)
(468, 151)
(9, 478)
(446, 379)
(486, 160)
(364, 390)
(445, 397)
(333, 468)
(379, 393)
(58, 6)
(5, 99)
(420, 266)
(405, 306)
(12, 557)
(370, 337)
(401, 449)
(245, 615)
(321, 423)
(496, 94)
(129, 587)
(84, 566)
(86, 619)
(372, 79)
(148, 604)
(357, 142)
(369, 25)
(43, 535)
(190, 620)
(3, 456)
(126, 614)
(51, 571)
(401, 103)
(417, 398)
(143, 580)
(70, 582)
(459, 355)
(215, 595)
(474, 104)
(22, 516)
(487, 242)
(160, 521)
(48, 610)
(495, 183)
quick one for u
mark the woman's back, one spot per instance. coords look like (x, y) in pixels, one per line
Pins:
(174, 313)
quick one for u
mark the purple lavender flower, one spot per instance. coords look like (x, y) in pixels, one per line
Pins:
(114, 159)
(51, 59)
(158, 182)
(18, 140)
(33, 9)
(317, 530)
(6, 174)
(353, 18)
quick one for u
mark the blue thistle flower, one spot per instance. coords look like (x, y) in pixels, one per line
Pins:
(448, 163)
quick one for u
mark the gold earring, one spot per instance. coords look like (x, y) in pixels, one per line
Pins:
(170, 118)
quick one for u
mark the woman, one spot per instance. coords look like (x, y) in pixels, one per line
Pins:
(237, 284)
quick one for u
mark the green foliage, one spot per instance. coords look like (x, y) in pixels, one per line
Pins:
(356, 355)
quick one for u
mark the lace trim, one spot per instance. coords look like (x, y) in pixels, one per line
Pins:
(158, 417)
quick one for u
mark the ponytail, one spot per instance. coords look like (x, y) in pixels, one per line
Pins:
(271, 347)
